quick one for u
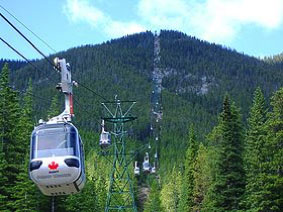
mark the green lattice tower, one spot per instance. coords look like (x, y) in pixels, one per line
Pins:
(120, 195)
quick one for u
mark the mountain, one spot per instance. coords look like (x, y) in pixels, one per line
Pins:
(195, 74)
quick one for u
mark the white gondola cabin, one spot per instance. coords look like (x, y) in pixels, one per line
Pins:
(136, 169)
(57, 159)
(105, 137)
(153, 170)
(146, 165)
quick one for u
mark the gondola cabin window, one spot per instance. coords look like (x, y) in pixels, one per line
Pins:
(54, 142)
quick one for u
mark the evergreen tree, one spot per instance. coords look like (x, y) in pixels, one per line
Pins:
(272, 177)
(187, 198)
(171, 192)
(9, 127)
(26, 122)
(202, 176)
(254, 153)
(153, 203)
(54, 109)
(25, 192)
(101, 192)
(228, 187)
(3, 183)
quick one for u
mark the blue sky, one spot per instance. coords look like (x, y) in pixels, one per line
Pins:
(254, 27)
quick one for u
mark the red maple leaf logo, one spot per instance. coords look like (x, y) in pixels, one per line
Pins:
(53, 165)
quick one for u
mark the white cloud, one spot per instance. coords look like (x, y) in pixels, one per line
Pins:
(213, 20)
(119, 29)
(83, 11)
(160, 13)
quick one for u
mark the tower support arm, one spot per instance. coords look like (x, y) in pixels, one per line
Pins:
(66, 87)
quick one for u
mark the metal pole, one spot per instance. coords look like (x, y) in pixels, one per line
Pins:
(52, 204)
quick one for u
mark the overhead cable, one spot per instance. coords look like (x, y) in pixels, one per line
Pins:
(38, 97)
(18, 31)
(29, 29)
(92, 91)
(45, 57)
(21, 55)
(85, 110)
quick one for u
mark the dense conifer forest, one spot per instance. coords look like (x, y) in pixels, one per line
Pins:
(222, 127)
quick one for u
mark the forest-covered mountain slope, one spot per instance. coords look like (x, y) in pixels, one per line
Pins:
(196, 77)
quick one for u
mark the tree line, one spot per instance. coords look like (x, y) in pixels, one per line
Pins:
(236, 168)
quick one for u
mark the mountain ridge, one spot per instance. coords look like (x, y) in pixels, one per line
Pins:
(196, 71)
